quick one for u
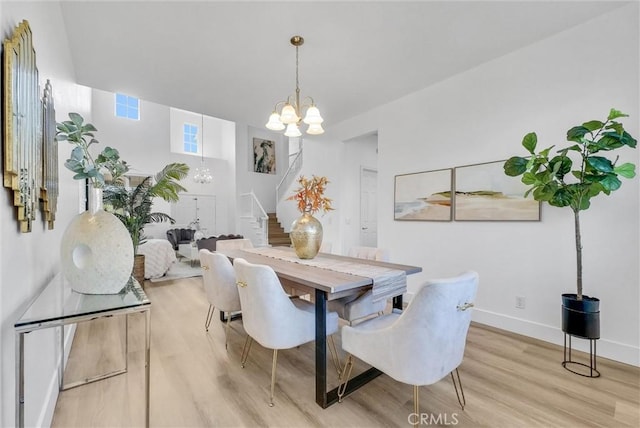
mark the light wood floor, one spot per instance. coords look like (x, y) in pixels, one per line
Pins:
(509, 380)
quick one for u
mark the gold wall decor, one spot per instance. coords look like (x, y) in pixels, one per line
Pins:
(49, 189)
(22, 124)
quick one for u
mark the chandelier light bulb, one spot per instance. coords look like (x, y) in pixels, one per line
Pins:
(315, 129)
(292, 130)
(275, 124)
(289, 115)
(313, 116)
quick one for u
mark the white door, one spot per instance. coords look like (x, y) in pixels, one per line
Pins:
(368, 207)
(191, 208)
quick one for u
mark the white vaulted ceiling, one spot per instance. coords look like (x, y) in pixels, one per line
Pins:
(233, 60)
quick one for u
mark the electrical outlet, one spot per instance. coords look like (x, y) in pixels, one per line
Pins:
(521, 302)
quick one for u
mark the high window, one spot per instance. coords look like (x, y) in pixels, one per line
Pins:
(190, 138)
(127, 107)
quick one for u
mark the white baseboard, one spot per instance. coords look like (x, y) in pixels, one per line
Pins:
(616, 351)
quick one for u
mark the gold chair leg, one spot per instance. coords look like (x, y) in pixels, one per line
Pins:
(334, 354)
(273, 376)
(207, 321)
(226, 331)
(416, 403)
(245, 350)
(345, 374)
(463, 401)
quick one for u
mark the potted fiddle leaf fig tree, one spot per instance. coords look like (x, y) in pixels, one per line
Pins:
(570, 177)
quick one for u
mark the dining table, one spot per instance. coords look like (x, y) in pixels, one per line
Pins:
(327, 277)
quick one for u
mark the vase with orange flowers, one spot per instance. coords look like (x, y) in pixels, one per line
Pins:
(306, 231)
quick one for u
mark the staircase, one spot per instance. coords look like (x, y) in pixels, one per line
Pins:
(277, 236)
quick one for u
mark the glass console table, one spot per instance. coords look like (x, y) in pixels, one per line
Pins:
(58, 305)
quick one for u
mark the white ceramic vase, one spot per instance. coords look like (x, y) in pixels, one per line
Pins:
(96, 250)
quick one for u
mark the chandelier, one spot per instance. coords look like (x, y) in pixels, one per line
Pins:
(290, 113)
(202, 174)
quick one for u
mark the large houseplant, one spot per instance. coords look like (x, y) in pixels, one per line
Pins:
(133, 205)
(571, 177)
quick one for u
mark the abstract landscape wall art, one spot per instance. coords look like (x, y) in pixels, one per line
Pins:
(483, 192)
(423, 196)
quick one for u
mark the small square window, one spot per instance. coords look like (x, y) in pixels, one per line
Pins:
(190, 138)
(127, 107)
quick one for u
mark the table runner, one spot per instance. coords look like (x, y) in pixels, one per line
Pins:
(387, 282)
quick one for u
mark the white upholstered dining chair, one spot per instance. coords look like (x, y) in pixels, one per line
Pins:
(219, 281)
(424, 343)
(352, 308)
(271, 318)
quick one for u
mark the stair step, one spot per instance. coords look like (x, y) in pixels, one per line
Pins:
(277, 235)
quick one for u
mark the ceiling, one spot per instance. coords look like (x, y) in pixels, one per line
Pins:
(233, 60)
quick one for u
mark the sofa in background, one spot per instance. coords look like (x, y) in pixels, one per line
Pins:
(210, 243)
(180, 236)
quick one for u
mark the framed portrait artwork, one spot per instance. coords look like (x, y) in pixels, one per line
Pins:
(484, 192)
(264, 156)
(423, 196)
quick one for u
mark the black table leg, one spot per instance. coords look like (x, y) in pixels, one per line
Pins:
(326, 398)
(234, 317)
(321, 349)
(397, 302)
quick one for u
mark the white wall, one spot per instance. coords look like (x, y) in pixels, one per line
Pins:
(147, 145)
(29, 260)
(263, 185)
(480, 116)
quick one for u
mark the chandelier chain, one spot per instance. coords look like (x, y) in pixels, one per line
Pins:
(297, 85)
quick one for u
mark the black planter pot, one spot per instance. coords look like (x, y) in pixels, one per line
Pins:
(581, 318)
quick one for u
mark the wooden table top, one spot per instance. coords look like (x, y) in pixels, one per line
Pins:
(335, 284)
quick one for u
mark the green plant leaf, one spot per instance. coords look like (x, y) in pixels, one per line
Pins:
(577, 133)
(627, 170)
(611, 141)
(600, 163)
(628, 140)
(515, 166)
(575, 148)
(77, 154)
(616, 126)
(610, 182)
(546, 192)
(560, 166)
(545, 153)
(530, 141)
(593, 125)
(87, 128)
(594, 189)
(563, 197)
(76, 119)
(614, 114)
(529, 178)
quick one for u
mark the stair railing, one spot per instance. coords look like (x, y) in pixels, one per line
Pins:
(294, 168)
(254, 221)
